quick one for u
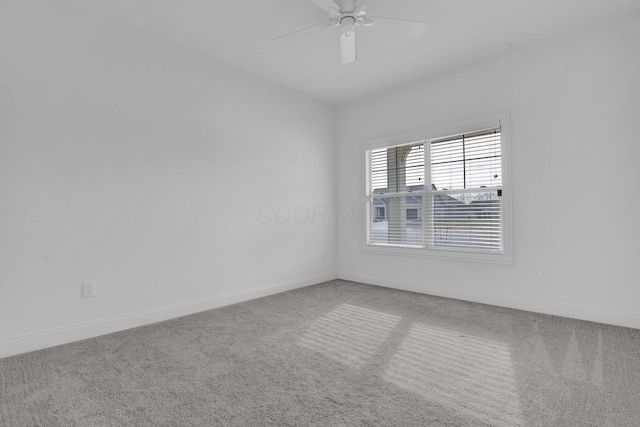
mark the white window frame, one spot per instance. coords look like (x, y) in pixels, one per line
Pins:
(425, 135)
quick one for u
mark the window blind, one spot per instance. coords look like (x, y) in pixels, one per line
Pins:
(466, 189)
(395, 212)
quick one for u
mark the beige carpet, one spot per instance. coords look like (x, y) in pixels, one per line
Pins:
(335, 354)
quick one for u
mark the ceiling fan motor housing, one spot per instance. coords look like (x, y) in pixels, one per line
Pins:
(348, 22)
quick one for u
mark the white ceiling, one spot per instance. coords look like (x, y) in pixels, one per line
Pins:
(239, 32)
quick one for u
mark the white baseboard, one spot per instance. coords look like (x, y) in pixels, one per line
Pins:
(53, 337)
(629, 320)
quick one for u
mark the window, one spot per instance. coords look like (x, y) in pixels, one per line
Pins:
(444, 196)
(380, 212)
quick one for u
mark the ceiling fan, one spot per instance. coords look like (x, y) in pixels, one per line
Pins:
(348, 16)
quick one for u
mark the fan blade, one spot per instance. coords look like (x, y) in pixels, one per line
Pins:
(302, 31)
(409, 27)
(348, 46)
(326, 5)
(360, 9)
(346, 5)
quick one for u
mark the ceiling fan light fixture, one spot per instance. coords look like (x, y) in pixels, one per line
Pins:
(348, 29)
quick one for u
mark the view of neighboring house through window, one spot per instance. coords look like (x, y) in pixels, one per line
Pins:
(442, 194)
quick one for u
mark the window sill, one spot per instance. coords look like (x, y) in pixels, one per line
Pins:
(504, 257)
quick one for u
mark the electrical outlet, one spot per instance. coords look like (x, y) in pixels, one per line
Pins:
(89, 290)
(543, 273)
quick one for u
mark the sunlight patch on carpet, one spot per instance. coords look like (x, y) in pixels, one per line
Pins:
(470, 375)
(349, 334)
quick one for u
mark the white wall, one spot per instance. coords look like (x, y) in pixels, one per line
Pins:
(151, 170)
(575, 109)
